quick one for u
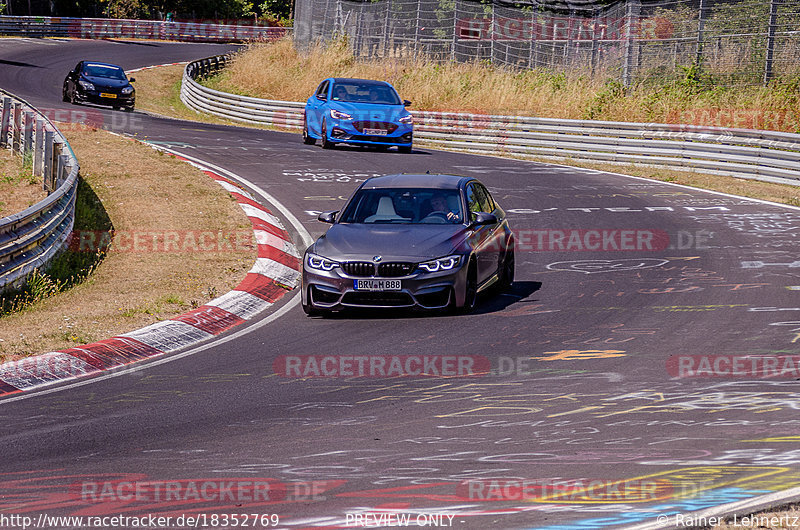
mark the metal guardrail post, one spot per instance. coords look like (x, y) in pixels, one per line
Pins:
(47, 177)
(61, 167)
(55, 175)
(38, 149)
(5, 122)
(16, 128)
(773, 17)
(701, 25)
(27, 143)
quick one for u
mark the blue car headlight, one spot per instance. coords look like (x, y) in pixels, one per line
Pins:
(127, 90)
(320, 263)
(408, 119)
(441, 264)
(86, 85)
(339, 115)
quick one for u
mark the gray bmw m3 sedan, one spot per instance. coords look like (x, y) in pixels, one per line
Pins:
(424, 241)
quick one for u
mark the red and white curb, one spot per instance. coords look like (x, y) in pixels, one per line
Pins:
(155, 66)
(274, 273)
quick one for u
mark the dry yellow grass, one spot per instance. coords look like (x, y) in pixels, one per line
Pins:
(142, 191)
(158, 91)
(278, 71)
(18, 187)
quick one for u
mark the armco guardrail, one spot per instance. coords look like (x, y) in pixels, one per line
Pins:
(745, 153)
(105, 28)
(31, 238)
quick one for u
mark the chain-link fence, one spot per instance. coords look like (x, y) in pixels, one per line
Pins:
(745, 41)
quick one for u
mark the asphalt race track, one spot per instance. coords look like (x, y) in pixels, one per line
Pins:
(583, 405)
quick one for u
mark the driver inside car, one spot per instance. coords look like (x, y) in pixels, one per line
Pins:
(439, 205)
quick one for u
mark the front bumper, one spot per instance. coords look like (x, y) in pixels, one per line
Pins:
(343, 131)
(95, 97)
(336, 290)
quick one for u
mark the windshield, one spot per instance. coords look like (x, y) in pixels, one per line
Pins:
(404, 206)
(99, 70)
(376, 93)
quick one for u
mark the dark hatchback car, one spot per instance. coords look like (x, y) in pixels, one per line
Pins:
(424, 241)
(99, 83)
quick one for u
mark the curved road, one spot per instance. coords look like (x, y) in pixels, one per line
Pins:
(591, 419)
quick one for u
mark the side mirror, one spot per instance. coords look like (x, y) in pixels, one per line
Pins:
(328, 217)
(406, 103)
(132, 80)
(322, 97)
(483, 218)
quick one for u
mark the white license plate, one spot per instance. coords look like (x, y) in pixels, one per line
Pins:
(106, 95)
(376, 132)
(377, 285)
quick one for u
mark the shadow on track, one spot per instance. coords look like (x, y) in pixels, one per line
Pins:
(489, 302)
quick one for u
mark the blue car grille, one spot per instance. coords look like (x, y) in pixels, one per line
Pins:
(386, 126)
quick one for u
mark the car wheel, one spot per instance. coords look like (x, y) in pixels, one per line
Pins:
(507, 267)
(117, 107)
(128, 109)
(64, 94)
(470, 292)
(308, 140)
(404, 149)
(326, 144)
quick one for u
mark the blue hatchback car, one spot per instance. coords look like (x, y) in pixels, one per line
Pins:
(359, 112)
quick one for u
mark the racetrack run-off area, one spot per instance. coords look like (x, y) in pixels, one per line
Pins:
(621, 385)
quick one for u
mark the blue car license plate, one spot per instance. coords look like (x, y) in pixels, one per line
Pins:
(377, 285)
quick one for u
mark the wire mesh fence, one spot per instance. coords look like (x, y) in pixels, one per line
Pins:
(744, 41)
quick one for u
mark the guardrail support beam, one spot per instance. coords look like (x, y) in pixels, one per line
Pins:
(27, 143)
(47, 177)
(38, 148)
(5, 122)
(16, 128)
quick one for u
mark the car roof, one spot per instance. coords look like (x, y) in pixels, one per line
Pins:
(361, 81)
(411, 180)
(98, 63)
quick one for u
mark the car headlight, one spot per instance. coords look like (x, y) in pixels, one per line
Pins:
(441, 264)
(339, 115)
(407, 119)
(86, 85)
(127, 90)
(318, 262)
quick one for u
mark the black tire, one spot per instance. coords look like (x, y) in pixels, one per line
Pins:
(405, 149)
(117, 107)
(326, 144)
(64, 95)
(507, 268)
(128, 109)
(308, 140)
(470, 292)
